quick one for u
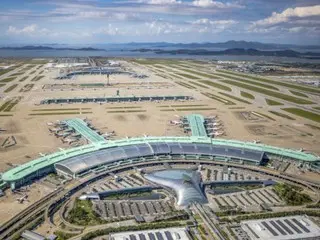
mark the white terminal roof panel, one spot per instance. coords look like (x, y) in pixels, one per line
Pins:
(284, 228)
(155, 234)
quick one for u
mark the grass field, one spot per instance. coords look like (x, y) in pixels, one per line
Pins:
(247, 95)
(57, 113)
(312, 126)
(9, 79)
(16, 74)
(266, 80)
(128, 107)
(279, 114)
(156, 61)
(23, 79)
(9, 89)
(299, 94)
(216, 85)
(56, 109)
(248, 81)
(198, 84)
(194, 109)
(126, 111)
(271, 102)
(5, 105)
(235, 98)
(4, 71)
(2, 84)
(185, 85)
(217, 98)
(269, 92)
(186, 75)
(302, 113)
(264, 115)
(198, 73)
(189, 105)
(37, 78)
(316, 108)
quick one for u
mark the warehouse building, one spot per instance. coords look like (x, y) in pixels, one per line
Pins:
(156, 234)
(284, 228)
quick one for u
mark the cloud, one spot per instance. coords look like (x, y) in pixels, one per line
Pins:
(160, 2)
(206, 21)
(215, 4)
(27, 30)
(288, 14)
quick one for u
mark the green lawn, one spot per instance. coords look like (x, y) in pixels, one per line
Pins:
(185, 85)
(9, 79)
(268, 92)
(217, 98)
(235, 98)
(199, 73)
(56, 113)
(266, 80)
(193, 109)
(216, 85)
(156, 61)
(302, 113)
(248, 81)
(299, 94)
(279, 114)
(23, 79)
(198, 84)
(292, 195)
(83, 214)
(271, 102)
(9, 89)
(247, 95)
(37, 78)
(264, 115)
(186, 75)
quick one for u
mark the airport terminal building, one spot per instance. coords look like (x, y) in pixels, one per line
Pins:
(100, 156)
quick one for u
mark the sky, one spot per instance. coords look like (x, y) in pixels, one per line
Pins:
(122, 21)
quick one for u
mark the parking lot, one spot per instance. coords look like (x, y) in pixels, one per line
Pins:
(250, 200)
(123, 209)
(125, 181)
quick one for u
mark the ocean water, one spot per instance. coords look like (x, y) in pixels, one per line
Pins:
(127, 53)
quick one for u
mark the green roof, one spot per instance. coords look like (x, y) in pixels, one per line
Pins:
(81, 127)
(196, 123)
(49, 160)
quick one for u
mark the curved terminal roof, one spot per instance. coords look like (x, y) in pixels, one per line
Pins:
(87, 161)
(185, 183)
(49, 160)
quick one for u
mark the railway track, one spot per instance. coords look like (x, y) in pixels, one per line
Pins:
(11, 227)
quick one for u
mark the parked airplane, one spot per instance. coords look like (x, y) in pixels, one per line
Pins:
(175, 122)
(109, 134)
(22, 199)
(216, 134)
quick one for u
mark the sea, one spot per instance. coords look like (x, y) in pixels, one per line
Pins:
(125, 51)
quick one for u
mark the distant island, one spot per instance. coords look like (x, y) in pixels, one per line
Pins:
(222, 45)
(234, 51)
(51, 48)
